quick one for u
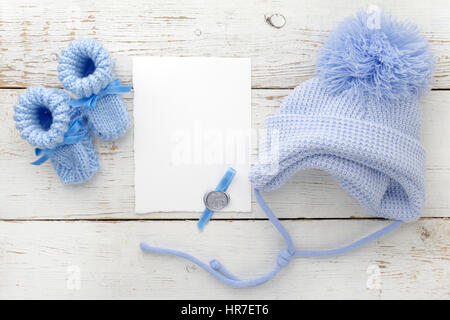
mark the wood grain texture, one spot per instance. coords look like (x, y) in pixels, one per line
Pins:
(110, 194)
(38, 258)
(32, 33)
(41, 259)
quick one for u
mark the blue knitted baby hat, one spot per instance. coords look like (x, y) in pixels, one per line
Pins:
(45, 119)
(86, 70)
(359, 119)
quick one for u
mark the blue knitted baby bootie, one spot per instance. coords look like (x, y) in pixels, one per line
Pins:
(86, 69)
(45, 119)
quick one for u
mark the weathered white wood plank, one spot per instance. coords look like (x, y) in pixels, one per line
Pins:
(42, 260)
(110, 194)
(32, 33)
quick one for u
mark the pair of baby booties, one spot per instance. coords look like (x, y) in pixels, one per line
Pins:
(60, 127)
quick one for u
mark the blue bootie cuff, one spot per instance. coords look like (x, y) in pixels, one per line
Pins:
(85, 68)
(42, 116)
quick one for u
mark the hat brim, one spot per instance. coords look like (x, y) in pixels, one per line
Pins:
(380, 167)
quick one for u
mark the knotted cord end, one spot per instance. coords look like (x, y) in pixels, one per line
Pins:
(215, 264)
(284, 257)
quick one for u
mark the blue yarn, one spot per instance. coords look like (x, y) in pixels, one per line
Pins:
(86, 69)
(389, 61)
(45, 119)
(285, 256)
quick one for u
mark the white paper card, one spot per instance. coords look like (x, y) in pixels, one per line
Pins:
(192, 121)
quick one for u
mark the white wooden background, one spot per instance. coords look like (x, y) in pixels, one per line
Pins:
(50, 232)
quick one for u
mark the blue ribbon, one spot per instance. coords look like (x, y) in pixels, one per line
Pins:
(221, 187)
(77, 131)
(112, 88)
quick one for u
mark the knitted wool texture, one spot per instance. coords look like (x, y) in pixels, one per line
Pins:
(43, 117)
(368, 143)
(85, 68)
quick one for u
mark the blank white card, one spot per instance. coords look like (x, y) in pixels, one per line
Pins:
(192, 121)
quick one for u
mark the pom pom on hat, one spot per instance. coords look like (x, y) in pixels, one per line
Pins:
(376, 56)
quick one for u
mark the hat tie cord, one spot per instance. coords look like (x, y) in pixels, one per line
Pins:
(285, 256)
